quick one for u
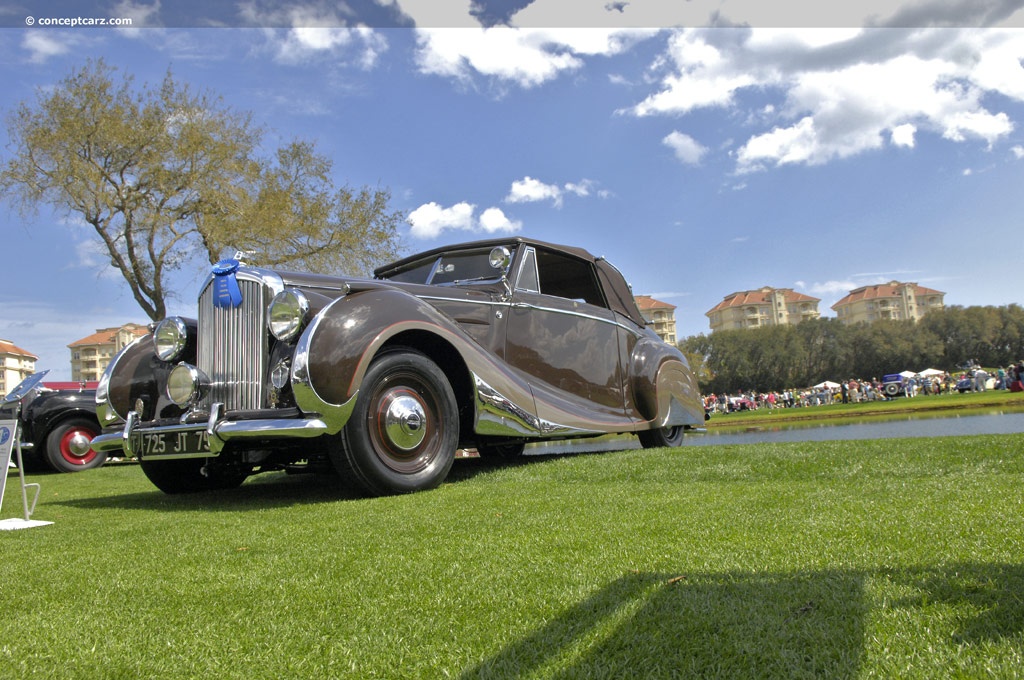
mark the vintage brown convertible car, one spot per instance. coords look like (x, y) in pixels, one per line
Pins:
(486, 345)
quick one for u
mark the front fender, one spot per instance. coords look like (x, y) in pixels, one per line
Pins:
(334, 352)
(49, 409)
(134, 378)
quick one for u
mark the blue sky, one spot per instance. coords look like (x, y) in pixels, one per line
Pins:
(819, 149)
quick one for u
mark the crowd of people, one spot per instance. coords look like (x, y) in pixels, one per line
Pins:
(972, 378)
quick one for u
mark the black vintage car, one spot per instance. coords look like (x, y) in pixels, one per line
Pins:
(486, 345)
(57, 426)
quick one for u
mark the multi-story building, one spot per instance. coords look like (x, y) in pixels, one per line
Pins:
(660, 316)
(16, 364)
(90, 355)
(762, 307)
(894, 300)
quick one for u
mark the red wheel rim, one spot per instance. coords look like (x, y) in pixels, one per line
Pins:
(74, 446)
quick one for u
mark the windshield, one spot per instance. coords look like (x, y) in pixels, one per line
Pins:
(462, 266)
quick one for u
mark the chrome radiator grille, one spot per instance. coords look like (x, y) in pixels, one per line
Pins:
(233, 348)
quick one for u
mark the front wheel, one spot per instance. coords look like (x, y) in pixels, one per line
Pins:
(662, 436)
(69, 446)
(404, 430)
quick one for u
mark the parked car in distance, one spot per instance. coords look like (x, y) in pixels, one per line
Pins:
(485, 345)
(56, 425)
(892, 385)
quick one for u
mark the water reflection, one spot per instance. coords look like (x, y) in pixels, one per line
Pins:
(916, 426)
(924, 425)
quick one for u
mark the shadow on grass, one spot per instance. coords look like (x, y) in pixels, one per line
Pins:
(279, 489)
(749, 625)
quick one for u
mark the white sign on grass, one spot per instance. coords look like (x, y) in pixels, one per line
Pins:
(8, 439)
(7, 428)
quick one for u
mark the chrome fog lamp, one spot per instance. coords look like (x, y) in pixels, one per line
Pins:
(499, 257)
(186, 384)
(287, 314)
(169, 338)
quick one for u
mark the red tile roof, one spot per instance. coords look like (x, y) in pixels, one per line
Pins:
(760, 297)
(883, 290)
(8, 347)
(645, 302)
(105, 336)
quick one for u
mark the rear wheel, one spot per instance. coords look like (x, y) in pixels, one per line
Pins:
(663, 436)
(69, 446)
(187, 476)
(404, 430)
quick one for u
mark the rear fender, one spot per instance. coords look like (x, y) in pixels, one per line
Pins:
(664, 388)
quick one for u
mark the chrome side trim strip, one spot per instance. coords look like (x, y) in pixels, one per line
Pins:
(497, 415)
(523, 305)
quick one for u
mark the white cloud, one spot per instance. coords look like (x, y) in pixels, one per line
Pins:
(530, 190)
(903, 135)
(44, 45)
(841, 92)
(142, 14)
(619, 14)
(687, 149)
(834, 288)
(430, 220)
(315, 32)
(493, 220)
(524, 57)
(1018, 151)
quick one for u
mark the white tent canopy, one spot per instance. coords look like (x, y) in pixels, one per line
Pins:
(927, 373)
(827, 384)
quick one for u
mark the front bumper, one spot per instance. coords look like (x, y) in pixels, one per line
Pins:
(198, 439)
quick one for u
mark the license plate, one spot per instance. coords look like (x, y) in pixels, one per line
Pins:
(181, 444)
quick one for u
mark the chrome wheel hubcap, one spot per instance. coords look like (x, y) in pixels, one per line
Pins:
(79, 444)
(405, 422)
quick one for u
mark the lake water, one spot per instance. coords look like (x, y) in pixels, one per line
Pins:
(944, 426)
(918, 426)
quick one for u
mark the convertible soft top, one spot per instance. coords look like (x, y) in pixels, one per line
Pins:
(617, 290)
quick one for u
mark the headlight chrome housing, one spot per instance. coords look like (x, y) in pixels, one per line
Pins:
(186, 385)
(288, 314)
(170, 338)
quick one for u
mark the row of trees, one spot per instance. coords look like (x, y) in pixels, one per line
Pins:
(780, 357)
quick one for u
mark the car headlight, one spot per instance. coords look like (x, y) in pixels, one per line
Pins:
(288, 314)
(186, 384)
(170, 338)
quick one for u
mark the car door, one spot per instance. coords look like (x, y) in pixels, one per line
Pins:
(566, 342)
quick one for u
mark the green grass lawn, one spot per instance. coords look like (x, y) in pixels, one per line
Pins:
(899, 558)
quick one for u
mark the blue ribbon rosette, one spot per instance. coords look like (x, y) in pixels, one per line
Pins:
(226, 293)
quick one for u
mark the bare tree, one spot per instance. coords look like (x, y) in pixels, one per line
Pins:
(167, 177)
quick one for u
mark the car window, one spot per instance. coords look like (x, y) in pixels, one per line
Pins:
(568, 277)
(529, 279)
(420, 273)
(453, 268)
